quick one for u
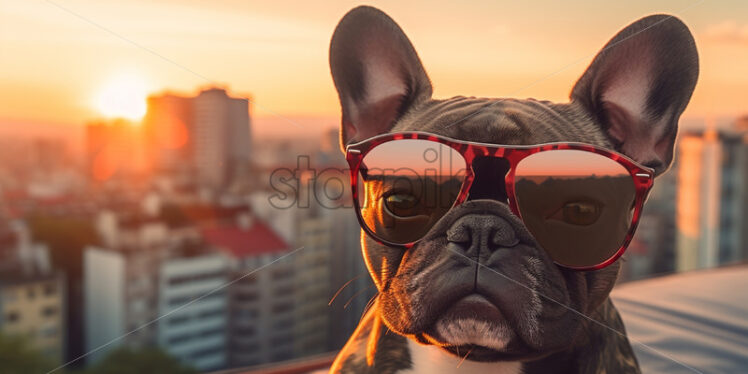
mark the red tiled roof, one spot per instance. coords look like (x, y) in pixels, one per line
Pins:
(257, 240)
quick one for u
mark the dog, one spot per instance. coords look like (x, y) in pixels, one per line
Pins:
(629, 100)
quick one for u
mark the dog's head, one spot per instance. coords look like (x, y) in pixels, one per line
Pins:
(629, 99)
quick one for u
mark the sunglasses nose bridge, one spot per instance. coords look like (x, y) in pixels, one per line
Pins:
(489, 178)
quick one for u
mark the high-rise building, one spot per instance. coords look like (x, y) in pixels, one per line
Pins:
(221, 134)
(314, 211)
(206, 136)
(114, 149)
(313, 279)
(712, 198)
(192, 298)
(168, 130)
(262, 298)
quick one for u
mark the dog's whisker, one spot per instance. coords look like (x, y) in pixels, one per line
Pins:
(356, 295)
(368, 306)
(344, 286)
(465, 357)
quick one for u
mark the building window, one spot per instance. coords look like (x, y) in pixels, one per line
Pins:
(246, 297)
(179, 339)
(245, 332)
(50, 289)
(278, 274)
(282, 307)
(179, 320)
(178, 280)
(49, 311)
(246, 313)
(211, 314)
(180, 301)
(284, 290)
(249, 348)
(12, 317)
(209, 333)
(286, 323)
(184, 300)
(249, 280)
(281, 340)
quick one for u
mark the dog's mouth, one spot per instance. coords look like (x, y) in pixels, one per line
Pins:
(473, 307)
(493, 308)
(476, 327)
(489, 316)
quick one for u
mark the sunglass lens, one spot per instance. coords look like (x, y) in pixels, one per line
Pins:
(405, 186)
(577, 204)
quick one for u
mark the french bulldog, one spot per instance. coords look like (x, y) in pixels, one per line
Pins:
(540, 319)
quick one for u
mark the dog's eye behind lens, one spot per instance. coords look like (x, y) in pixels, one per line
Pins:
(580, 213)
(401, 205)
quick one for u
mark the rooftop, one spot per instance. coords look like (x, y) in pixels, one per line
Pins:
(16, 276)
(257, 239)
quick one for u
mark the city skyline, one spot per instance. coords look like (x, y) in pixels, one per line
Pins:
(152, 224)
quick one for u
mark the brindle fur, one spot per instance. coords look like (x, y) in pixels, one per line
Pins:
(368, 48)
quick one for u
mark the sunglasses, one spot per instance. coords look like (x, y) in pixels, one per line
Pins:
(580, 202)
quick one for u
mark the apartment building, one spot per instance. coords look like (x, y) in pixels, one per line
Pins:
(262, 293)
(32, 305)
(192, 307)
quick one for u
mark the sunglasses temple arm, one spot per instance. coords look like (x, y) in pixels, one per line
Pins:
(363, 170)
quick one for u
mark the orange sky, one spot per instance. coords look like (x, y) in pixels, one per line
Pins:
(55, 61)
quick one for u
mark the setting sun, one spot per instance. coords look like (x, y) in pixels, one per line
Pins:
(124, 96)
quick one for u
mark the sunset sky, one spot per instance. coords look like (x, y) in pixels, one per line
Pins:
(58, 58)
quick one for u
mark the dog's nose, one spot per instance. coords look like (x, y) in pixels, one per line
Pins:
(473, 232)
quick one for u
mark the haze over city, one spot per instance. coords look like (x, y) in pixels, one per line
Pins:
(278, 54)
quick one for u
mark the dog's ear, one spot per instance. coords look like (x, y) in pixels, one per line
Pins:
(639, 84)
(376, 71)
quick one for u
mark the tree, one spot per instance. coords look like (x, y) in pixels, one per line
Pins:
(18, 357)
(126, 360)
(66, 238)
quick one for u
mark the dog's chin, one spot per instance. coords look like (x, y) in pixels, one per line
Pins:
(473, 332)
(477, 326)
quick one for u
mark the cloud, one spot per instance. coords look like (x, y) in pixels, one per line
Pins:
(728, 31)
